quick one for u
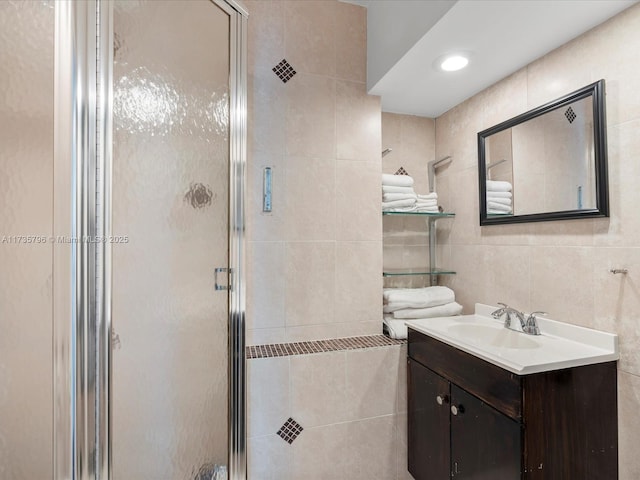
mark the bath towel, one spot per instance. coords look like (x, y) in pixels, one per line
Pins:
(429, 196)
(394, 328)
(446, 310)
(498, 207)
(392, 189)
(498, 186)
(499, 194)
(399, 298)
(434, 209)
(426, 203)
(397, 180)
(502, 201)
(409, 202)
(401, 209)
(391, 197)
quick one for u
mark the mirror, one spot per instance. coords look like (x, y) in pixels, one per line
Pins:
(547, 164)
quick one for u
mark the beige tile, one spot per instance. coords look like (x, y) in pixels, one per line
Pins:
(321, 453)
(358, 281)
(358, 206)
(310, 200)
(372, 382)
(623, 226)
(628, 425)
(268, 458)
(265, 285)
(468, 261)
(268, 399)
(509, 234)
(562, 283)
(311, 116)
(465, 228)
(265, 336)
(391, 126)
(401, 448)
(567, 233)
(310, 36)
(617, 302)
(310, 282)
(310, 332)
(401, 404)
(265, 36)
(357, 123)
(351, 42)
(356, 329)
(266, 226)
(318, 389)
(507, 275)
(267, 112)
(504, 100)
(371, 446)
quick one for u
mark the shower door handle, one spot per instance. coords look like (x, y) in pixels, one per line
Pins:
(215, 278)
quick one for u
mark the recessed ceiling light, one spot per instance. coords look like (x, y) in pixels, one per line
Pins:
(452, 63)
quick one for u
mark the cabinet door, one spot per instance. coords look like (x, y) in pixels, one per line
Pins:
(428, 424)
(485, 444)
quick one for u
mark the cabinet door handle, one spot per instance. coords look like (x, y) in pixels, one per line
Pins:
(457, 409)
(442, 399)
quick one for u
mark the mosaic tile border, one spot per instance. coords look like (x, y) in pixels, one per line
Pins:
(319, 346)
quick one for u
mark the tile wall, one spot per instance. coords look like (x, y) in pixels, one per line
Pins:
(558, 267)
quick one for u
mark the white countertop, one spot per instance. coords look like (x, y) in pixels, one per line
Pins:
(560, 345)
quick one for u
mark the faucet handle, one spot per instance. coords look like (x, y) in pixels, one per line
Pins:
(504, 305)
(532, 315)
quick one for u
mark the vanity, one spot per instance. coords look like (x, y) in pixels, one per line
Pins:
(489, 403)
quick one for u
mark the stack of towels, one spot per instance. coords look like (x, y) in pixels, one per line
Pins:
(499, 198)
(398, 196)
(401, 305)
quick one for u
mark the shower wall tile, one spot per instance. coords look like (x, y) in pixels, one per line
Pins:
(357, 123)
(351, 42)
(358, 201)
(310, 38)
(309, 280)
(268, 399)
(267, 111)
(321, 453)
(311, 116)
(268, 458)
(371, 448)
(265, 266)
(265, 36)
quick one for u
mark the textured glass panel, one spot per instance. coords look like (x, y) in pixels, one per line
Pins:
(26, 222)
(170, 199)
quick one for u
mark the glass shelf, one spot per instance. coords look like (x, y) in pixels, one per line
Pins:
(422, 214)
(398, 272)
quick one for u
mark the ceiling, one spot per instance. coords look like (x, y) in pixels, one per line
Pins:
(405, 37)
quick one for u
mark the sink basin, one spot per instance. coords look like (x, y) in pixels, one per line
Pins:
(560, 345)
(496, 336)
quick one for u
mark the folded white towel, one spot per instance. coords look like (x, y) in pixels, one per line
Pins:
(433, 209)
(397, 180)
(409, 202)
(429, 196)
(399, 298)
(426, 203)
(391, 197)
(503, 201)
(394, 328)
(498, 207)
(498, 194)
(446, 310)
(401, 209)
(498, 186)
(392, 189)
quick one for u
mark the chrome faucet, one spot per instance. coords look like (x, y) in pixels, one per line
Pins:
(528, 325)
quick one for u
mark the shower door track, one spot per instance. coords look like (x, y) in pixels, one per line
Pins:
(82, 268)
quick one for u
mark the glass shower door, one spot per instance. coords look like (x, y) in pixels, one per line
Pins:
(170, 217)
(26, 249)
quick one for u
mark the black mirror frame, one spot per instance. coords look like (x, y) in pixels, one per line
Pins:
(597, 91)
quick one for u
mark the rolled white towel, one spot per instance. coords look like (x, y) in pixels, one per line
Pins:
(397, 180)
(498, 207)
(409, 202)
(499, 194)
(428, 196)
(399, 298)
(498, 186)
(391, 197)
(392, 189)
(446, 310)
(394, 328)
(503, 201)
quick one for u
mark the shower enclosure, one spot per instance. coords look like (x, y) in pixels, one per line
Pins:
(122, 157)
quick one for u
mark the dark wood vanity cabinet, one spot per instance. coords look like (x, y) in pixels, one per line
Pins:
(469, 419)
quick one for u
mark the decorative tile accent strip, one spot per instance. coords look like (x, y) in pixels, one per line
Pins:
(570, 114)
(401, 171)
(284, 70)
(290, 430)
(319, 346)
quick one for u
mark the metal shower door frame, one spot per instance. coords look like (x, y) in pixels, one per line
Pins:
(82, 212)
